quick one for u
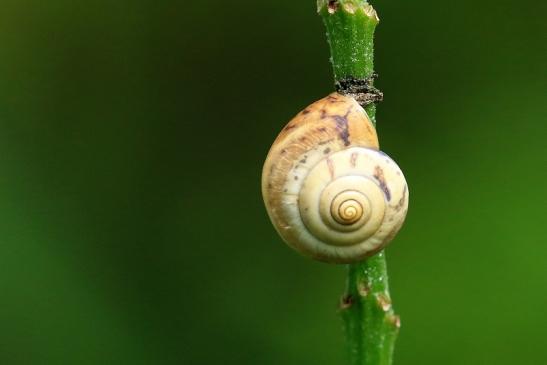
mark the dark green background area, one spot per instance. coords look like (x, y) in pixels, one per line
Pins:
(132, 136)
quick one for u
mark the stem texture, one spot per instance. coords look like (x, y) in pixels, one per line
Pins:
(371, 326)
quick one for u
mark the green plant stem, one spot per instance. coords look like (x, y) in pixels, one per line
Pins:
(371, 326)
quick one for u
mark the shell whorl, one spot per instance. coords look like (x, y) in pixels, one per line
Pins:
(328, 190)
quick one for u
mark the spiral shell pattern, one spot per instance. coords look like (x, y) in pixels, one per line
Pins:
(328, 190)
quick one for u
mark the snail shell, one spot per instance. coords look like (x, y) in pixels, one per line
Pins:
(329, 192)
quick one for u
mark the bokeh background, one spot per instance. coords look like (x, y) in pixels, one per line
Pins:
(132, 135)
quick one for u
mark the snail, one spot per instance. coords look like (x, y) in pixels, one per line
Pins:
(329, 192)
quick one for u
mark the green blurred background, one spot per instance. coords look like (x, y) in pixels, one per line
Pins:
(132, 135)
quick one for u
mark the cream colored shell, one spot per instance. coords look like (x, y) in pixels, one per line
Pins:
(329, 192)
